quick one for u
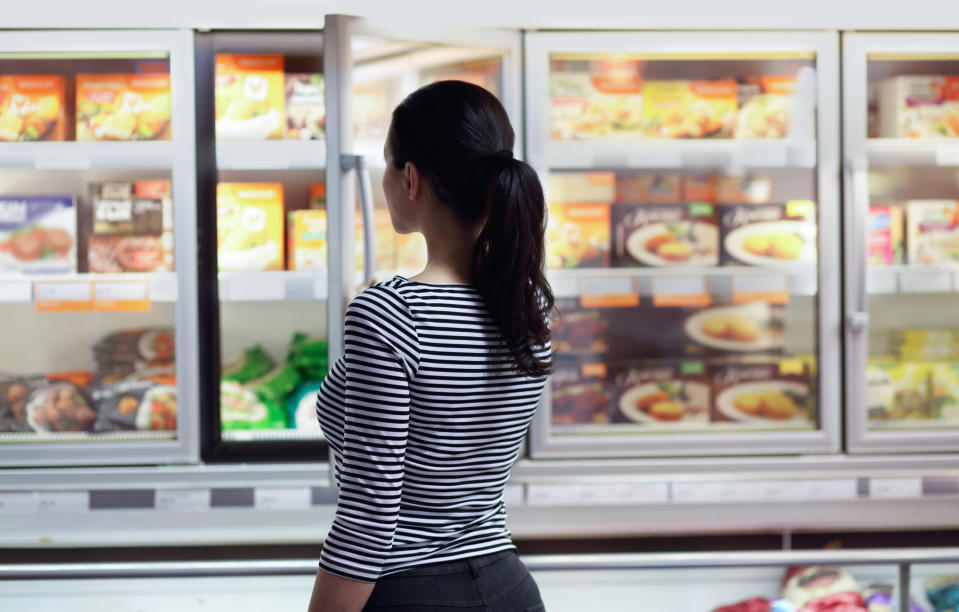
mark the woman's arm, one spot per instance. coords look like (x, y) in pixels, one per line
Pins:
(332, 593)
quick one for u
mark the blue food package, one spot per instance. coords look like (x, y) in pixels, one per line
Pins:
(301, 407)
(38, 234)
(943, 593)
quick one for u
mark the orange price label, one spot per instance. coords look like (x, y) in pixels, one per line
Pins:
(593, 370)
(769, 288)
(671, 291)
(63, 296)
(121, 296)
(608, 292)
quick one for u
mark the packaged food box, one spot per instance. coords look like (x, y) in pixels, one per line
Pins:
(153, 194)
(765, 393)
(690, 109)
(249, 97)
(765, 107)
(580, 395)
(912, 391)
(145, 353)
(117, 211)
(599, 99)
(872, 110)
(572, 187)
(410, 252)
(748, 189)
(373, 103)
(579, 331)
(388, 243)
(38, 234)
(250, 226)
(932, 232)
(699, 188)
(919, 107)
(884, 236)
(318, 196)
(665, 235)
(32, 108)
(577, 235)
(306, 240)
(768, 234)
(130, 228)
(305, 107)
(753, 327)
(647, 188)
(123, 107)
(661, 394)
(135, 405)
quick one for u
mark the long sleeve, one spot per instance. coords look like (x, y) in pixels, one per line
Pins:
(373, 379)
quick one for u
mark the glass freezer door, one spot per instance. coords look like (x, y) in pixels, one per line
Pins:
(97, 270)
(692, 241)
(901, 105)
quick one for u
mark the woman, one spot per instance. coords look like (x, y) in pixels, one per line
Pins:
(427, 409)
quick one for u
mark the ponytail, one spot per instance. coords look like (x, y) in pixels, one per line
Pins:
(459, 137)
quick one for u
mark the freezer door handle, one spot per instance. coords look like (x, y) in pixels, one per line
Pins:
(364, 188)
(858, 322)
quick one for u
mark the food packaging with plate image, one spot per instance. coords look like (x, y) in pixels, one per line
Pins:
(664, 235)
(763, 393)
(38, 234)
(770, 235)
(661, 394)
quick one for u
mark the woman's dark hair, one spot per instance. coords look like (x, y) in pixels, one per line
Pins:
(459, 137)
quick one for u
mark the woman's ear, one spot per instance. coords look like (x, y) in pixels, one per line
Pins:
(412, 180)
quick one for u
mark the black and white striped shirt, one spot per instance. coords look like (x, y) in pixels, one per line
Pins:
(425, 415)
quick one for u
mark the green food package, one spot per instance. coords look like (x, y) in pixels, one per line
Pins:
(240, 408)
(309, 355)
(253, 363)
(277, 384)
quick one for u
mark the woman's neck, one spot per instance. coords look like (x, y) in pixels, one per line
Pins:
(449, 248)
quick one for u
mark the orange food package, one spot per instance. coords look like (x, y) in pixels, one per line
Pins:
(577, 236)
(250, 97)
(32, 108)
(306, 240)
(249, 226)
(123, 107)
(690, 109)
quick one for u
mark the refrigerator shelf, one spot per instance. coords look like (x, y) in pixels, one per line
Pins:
(273, 286)
(28, 437)
(707, 154)
(99, 290)
(910, 152)
(86, 155)
(912, 279)
(271, 435)
(271, 154)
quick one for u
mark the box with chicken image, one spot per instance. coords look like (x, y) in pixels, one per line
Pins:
(690, 109)
(663, 395)
(249, 226)
(123, 107)
(38, 234)
(32, 108)
(764, 393)
(577, 235)
(772, 235)
(249, 97)
(664, 235)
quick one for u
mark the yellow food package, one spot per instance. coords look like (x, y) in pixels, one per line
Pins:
(689, 109)
(912, 391)
(249, 226)
(386, 239)
(306, 240)
(32, 108)
(123, 107)
(249, 97)
(577, 236)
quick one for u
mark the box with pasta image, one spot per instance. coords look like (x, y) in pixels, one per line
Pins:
(773, 235)
(764, 393)
(664, 235)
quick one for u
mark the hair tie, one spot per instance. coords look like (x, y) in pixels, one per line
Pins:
(503, 155)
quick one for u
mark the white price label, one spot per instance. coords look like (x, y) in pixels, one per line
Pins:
(925, 282)
(552, 494)
(258, 288)
(564, 285)
(608, 285)
(947, 155)
(57, 502)
(73, 291)
(183, 500)
(836, 489)
(45, 161)
(121, 291)
(320, 288)
(761, 283)
(570, 155)
(881, 282)
(679, 285)
(696, 492)
(16, 291)
(18, 503)
(632, 493)
(163, 287)
(282, 498)
(895, 488)
(759, 155)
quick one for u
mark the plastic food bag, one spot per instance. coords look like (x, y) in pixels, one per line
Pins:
(943, 593)
(253, 363)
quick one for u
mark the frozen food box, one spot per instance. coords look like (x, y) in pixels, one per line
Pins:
(661, 394)
(748, 189)
(579, 331)
(135, 404)
(38, 234)
(249, 97)
(699, 188)
(903, 392)
(581, 395)
(318, 195)
(932, 232)
(872, 110)
(665, 235)
(736, 329)
(884, 236)
(123, 107)
(32, 108)
(765, 107)
(130, 228)
(577, 235)
(919, 107)
(573, 187)
(599, 99)
(690, 109)
(410, 252)
(250, 226)
(647, 188)
(151, 195)
(305, 107)
(763, 393)
(768, 234)
(387, 244)
(306, 240)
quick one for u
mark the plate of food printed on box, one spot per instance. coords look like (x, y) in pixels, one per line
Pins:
(158, 409)
(673, 403)
(746, 327)
(783, 403)
(679, 243)
(773, 243)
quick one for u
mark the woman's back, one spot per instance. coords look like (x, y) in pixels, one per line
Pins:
(435, 413)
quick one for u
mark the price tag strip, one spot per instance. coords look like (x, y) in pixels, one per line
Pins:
(282, 498)
(63, 296)
(671, 291)
(769, 288)
(183, 500)
(608, 292)
(895, 488)
(121, 296)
